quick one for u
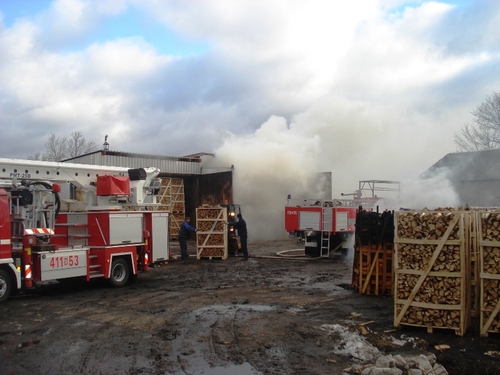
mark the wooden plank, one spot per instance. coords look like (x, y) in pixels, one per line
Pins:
(369, 275)
(434, 306)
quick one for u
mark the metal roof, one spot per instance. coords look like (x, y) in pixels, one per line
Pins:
(167, 164)
(468, 166)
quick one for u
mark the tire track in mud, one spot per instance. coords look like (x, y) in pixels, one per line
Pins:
(211, 344)
(224, 339)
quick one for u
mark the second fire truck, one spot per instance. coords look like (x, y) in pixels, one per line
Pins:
(323, 226)
(329, 225)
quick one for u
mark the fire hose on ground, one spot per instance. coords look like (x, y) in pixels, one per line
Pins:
(285, 254)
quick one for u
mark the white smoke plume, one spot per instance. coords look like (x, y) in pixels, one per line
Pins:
(275, 161)
(431, 193)
(352, 140)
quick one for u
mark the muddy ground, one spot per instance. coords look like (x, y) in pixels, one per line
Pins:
(268, 315)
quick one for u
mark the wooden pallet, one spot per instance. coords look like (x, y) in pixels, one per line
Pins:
(373, 253)
(431, 328)
(212, 252)
(372, 269)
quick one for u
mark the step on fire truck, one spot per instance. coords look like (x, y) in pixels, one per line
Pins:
(106, 227)
(323, 226)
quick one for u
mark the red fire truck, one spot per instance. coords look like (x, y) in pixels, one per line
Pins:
(328, 225)
(323, 226)
(109, 232)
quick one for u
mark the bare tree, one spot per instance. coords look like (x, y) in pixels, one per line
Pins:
(77, 145)
(484, 133)
(60, 148)
(55, 148)
(36, 156)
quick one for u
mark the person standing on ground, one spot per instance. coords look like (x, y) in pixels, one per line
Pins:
(184, 232)
(241, 227)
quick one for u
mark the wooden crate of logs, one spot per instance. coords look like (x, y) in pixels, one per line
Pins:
(373, 253)
(171, 198)
(174, 224)
(211, 234)
(432, 269)
(489, 271)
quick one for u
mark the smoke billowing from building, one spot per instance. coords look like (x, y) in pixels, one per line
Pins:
(268, 165)
(352, 140)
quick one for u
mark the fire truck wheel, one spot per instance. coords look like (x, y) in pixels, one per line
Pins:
(120, 273)
(5, 285)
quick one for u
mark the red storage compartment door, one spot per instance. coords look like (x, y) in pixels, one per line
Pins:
(5, 233)
(113, 185)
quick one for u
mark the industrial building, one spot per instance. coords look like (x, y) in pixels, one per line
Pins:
(475, 176)
(186, 182)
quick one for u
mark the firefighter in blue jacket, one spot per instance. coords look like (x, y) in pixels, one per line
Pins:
(184, 232)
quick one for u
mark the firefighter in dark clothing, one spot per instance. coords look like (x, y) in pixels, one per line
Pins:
(241, 227)
(184, 232)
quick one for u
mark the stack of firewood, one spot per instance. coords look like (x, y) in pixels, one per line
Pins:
(210, 239)
(207, 226)
(431, 274)
(434, 290)
(491, 260)
(417, 257)
(425, 225)
(489, 255)
(171, 199)
(433, 318)
(447, 268)
(490, 224)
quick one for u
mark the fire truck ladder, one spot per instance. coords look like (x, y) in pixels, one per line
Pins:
(325, 244)
(325, 233)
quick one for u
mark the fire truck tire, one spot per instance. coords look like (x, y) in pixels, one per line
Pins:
(120, 273)
(5, 285)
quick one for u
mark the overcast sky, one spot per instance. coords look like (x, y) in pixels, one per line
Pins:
(365, 89)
